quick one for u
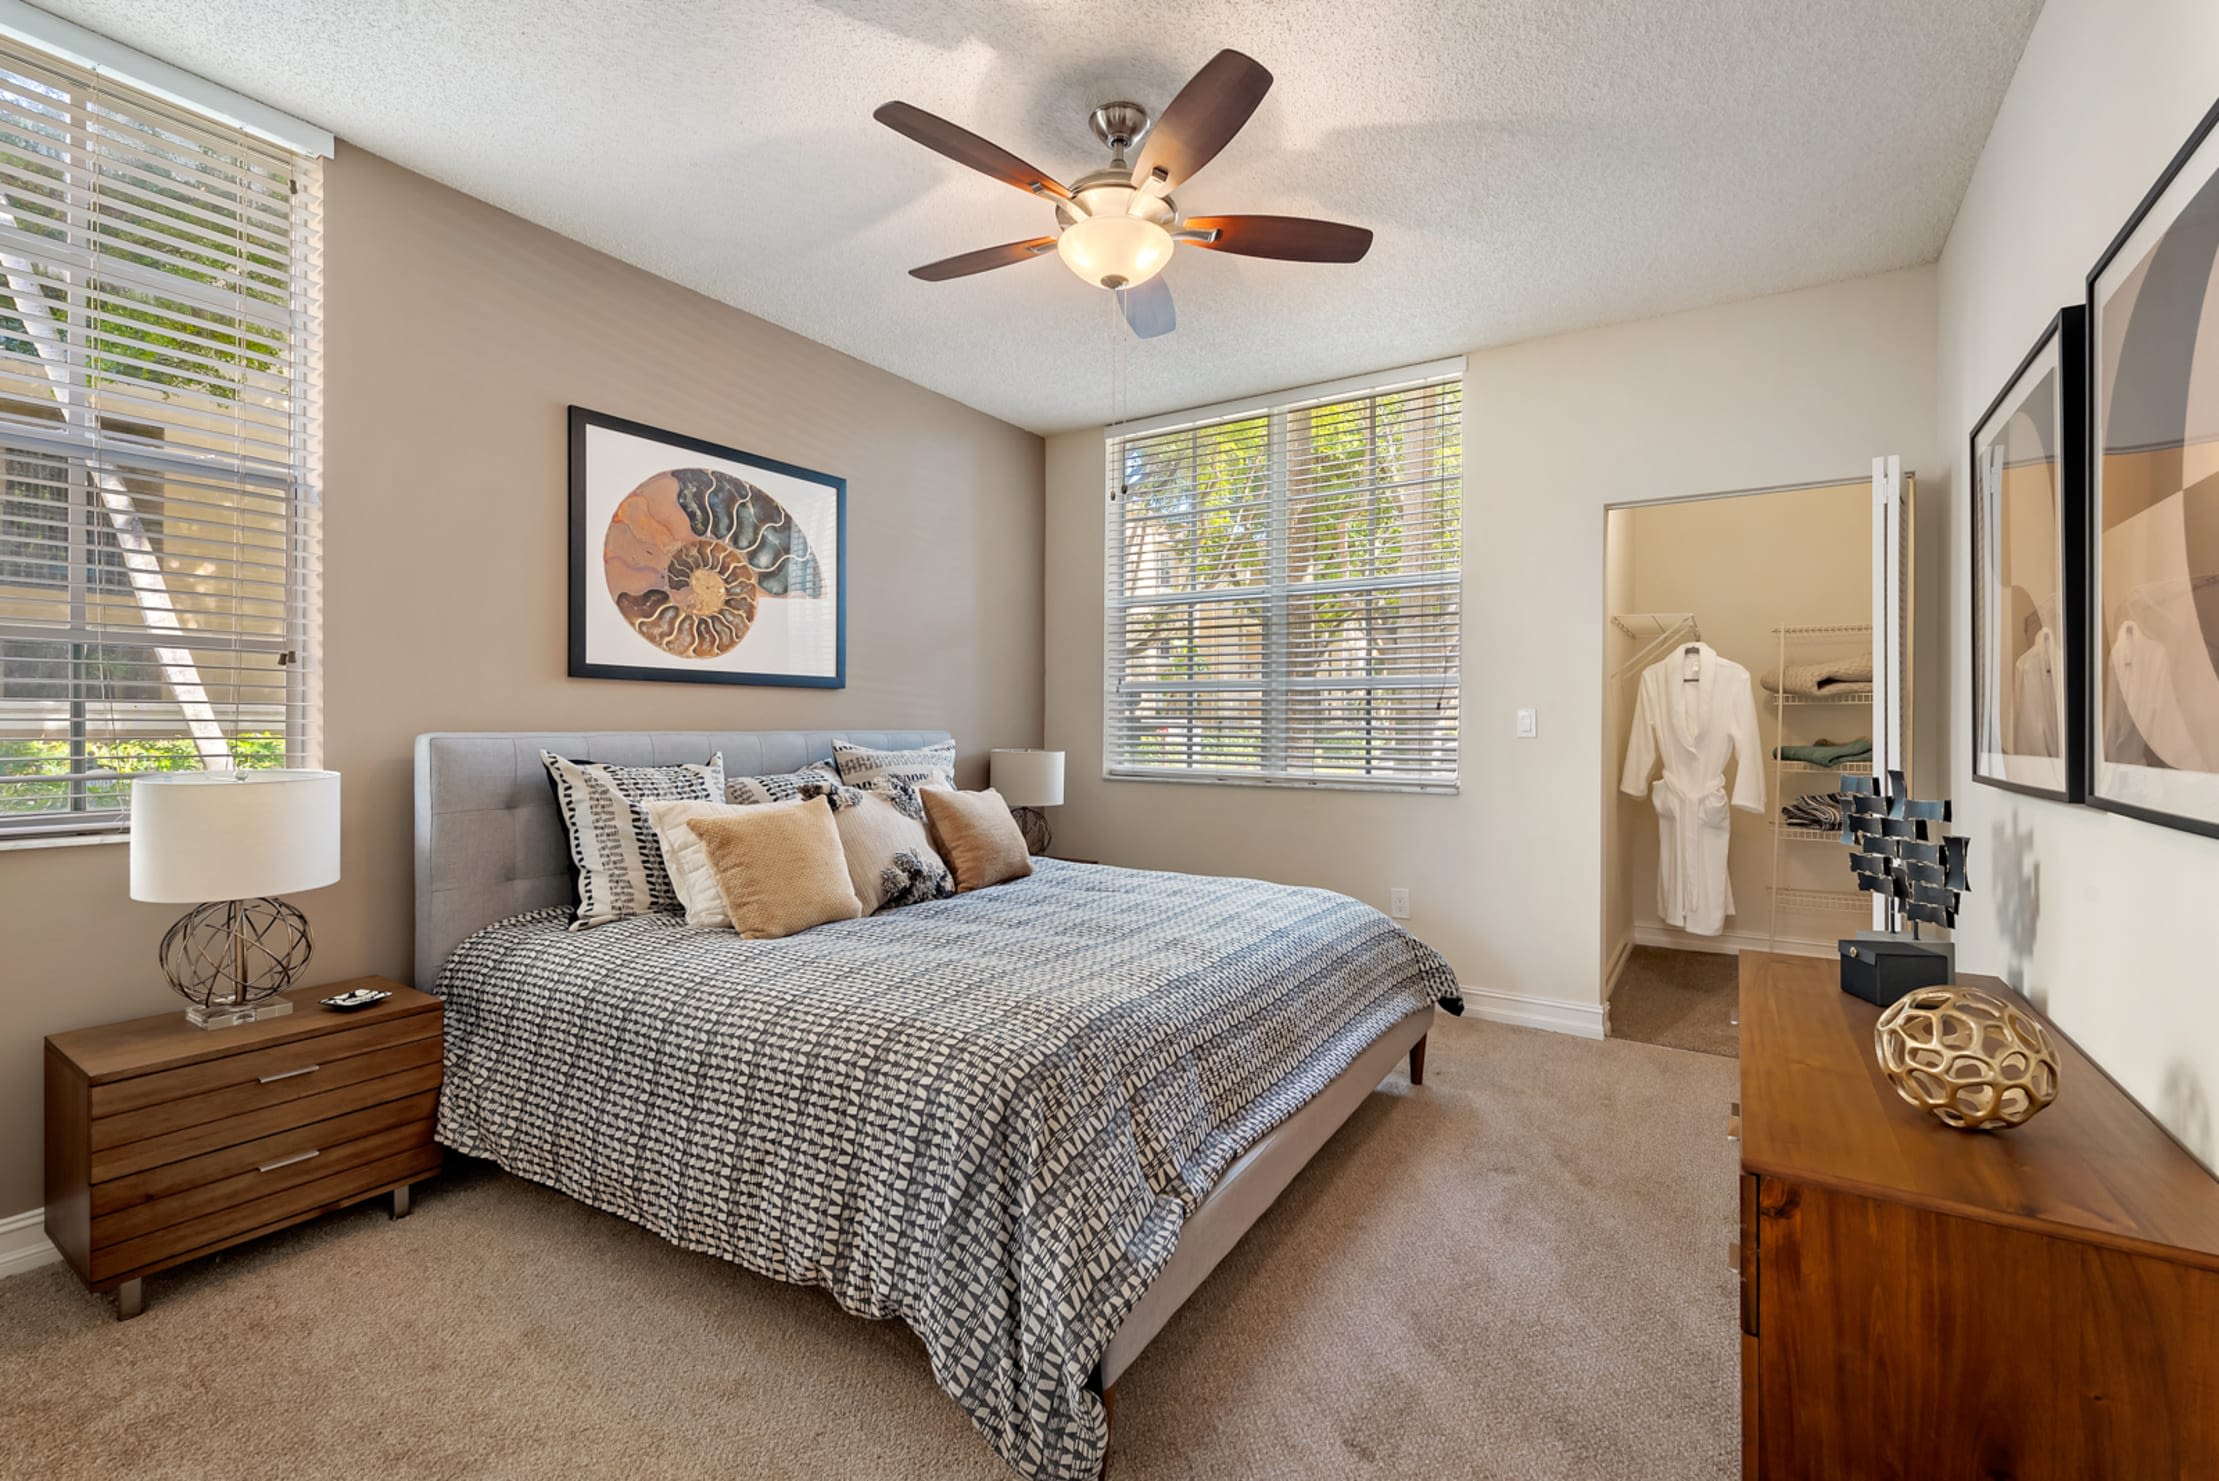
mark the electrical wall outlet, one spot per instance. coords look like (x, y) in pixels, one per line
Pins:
(1529, 723)
(1398, 903)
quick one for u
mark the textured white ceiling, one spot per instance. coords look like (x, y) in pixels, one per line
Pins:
(1530, 166)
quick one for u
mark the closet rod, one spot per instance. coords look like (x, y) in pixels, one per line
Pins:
(1669, 627)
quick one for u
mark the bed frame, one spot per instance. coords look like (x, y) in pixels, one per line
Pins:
(490, 844)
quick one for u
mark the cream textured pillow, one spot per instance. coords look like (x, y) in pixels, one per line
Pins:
(977, 836)
(779, 867)
(890, 856)
(687, 857)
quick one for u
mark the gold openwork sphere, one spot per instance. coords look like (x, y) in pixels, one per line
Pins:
(1971, 1058)
(236, 951)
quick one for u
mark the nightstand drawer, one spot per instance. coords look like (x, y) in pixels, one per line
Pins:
(274, 1173)
(241, 1220)
(260, 1065)
(230, 1103)
(171, 1178)
(192, 1141)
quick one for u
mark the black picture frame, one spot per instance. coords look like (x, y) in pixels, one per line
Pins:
(2097, 649)
(587, 583)
(2062, 342)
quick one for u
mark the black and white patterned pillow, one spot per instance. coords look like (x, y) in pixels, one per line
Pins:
(927, 766)
(613, 844)
(784, 787)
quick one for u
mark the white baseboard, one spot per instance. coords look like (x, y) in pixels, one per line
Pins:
(1617, 967)
(1581, 1020)
(23, 1243)
(1729, 944)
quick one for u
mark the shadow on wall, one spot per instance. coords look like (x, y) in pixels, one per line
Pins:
(2183, 1106)
(2016, 882)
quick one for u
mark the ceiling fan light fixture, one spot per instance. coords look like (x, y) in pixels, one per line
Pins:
(1115, 251)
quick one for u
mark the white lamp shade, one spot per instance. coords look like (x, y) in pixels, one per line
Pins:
(1028, 778)
(233, 835)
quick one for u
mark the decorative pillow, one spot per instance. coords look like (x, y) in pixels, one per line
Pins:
(612, 840)
(977, 836)
(890, 855)
(930, 766)
(779, 867)
(784, 787)
(691, 878)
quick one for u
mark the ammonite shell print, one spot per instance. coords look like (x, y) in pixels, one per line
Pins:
(691, 552)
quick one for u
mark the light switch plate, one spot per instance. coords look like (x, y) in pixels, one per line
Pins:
(1529, 722)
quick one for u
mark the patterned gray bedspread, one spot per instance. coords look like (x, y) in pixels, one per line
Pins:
(988, 1116)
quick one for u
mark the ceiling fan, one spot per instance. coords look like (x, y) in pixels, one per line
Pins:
(1116, 227)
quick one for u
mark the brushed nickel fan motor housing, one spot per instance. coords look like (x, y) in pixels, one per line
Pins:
(1119, 125)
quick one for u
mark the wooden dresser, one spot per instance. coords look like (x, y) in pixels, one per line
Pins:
(1920, 1302)
(165, 1142)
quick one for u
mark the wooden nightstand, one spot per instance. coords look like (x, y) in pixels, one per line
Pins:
(165, 1142)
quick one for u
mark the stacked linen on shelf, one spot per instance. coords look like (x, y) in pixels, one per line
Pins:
(1830, 677)
(1825, 752)
(1817, 812)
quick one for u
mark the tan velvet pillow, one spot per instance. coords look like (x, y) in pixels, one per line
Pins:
(779, 867)
(977, 836)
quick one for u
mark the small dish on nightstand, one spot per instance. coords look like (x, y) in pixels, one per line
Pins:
(348, 1002)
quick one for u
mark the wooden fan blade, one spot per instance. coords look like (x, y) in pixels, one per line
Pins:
(965, 264)
(1288, 238)
(1209, 110)
(1148, 308)
(966, 148)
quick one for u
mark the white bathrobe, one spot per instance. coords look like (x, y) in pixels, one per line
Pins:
(1693, 724)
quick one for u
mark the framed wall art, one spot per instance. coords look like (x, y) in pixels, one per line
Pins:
(2029, 559)
(702, 564)
(2153, 489)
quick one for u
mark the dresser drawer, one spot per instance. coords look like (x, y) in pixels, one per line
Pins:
(236, 1101)
(170, 1178)
(231, 1129)
(260, 1066)
(243, 1220)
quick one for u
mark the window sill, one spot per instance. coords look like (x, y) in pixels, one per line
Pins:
(61, 840)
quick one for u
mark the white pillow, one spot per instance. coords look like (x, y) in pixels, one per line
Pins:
(687, 858)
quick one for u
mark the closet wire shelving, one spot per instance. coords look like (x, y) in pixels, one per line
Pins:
(1788, 641)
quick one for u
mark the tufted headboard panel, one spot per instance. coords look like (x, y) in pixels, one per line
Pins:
(490, 843)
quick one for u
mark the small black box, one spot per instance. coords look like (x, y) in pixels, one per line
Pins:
(1882, 971)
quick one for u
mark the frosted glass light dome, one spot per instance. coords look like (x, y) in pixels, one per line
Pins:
(1114, 251)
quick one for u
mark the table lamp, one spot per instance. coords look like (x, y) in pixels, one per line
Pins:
(243, 838)
(1028, 782)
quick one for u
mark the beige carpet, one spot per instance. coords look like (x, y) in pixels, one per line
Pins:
(1680, 999)
(1517, 1271)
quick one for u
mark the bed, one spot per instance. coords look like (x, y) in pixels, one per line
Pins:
(1027, 1121)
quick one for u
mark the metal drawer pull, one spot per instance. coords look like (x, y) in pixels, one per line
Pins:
(288, 1161)
(306, 1069)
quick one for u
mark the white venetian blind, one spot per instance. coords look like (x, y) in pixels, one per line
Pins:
(1284, 591)
(159, 288)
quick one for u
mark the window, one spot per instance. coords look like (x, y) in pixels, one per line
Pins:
(158, 307)
(1284, 590)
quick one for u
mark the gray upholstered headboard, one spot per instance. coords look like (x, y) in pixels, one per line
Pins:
(490, 844)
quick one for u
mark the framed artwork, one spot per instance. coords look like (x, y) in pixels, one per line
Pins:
(2153, 489)
(2029, 560)
(702, 564)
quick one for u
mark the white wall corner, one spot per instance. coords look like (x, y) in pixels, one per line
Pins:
(23, 1243)
(1580, 1020)
(1616, 969)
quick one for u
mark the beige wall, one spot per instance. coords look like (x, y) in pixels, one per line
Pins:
(1507, 878)
(1744, 566)
(455, 337)
(2104, 920)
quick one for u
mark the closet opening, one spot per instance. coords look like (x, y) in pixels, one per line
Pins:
(1739, 683)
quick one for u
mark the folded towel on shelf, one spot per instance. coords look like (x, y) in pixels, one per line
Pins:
(1827, 676)
(1825, 752)
(1820, 812)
